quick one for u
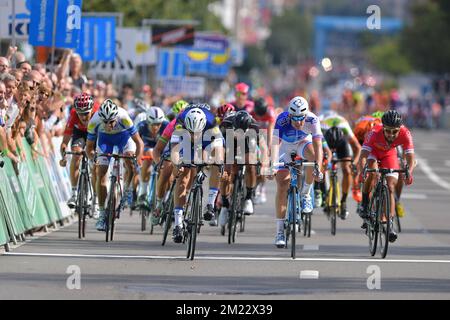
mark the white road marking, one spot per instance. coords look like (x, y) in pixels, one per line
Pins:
(419, 196)
(423, 164)
(310, 247)
(309, 274)
(131, 257)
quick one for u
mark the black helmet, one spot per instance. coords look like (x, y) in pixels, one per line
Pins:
(242, 120)
(392, 119)
(260, 106)
(334, 135)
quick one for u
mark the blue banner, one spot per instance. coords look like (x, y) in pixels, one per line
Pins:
(171, 63)
(105, 32)
(86, 49)
(98, 39)
(68, 23)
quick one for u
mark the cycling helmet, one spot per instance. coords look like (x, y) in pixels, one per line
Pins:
(83, 103)
(334, 136)
(298, 106)
(378, 114)
(225, 110)
(155, 115)
(242, 120)
(140, 105)
(108, 110)
(241, 87)
(392, 119)
(260, 106)
(178, 106)
(195, 120)
(202, 106)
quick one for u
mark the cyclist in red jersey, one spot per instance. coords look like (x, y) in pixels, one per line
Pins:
(380, 146)
(83, 109)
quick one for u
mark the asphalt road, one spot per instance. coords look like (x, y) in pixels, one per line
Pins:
(136, 266)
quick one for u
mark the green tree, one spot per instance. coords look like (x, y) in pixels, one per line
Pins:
(426, 41)
(137, 10)
(290, 40)
(388, 57)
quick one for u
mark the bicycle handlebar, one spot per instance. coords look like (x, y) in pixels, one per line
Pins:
(115, 156)
(82, 153)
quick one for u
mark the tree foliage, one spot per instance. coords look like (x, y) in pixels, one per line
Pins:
(137, 10)
(427, 40)
(388, 57)
(291, 37)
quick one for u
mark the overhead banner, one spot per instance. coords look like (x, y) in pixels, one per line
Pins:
(68, 23)
(173, 35)
(171, 63)
(22, 19)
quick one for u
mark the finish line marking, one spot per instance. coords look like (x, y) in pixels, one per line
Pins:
(66, 255)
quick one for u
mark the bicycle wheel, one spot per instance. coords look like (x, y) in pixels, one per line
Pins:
(232, 214)
(111, 210)
(372, 224)
(79, 207)
(384, 210)
(167, 217)
(334, 205)
(192, 223)
(397, 224)
(292, 218)
(86, 206)
(143, 213)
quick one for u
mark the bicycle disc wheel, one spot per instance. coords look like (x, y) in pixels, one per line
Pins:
(232, 219)
(384, 209)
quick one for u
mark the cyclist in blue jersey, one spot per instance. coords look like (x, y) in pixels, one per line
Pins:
(112, 127)
(196, 137)
(150, 130)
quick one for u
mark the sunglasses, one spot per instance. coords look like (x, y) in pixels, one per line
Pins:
(109, 122)
(391, 131)
(298, 118)
(238, 94)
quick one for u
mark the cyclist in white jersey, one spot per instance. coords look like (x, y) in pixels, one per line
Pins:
(297, 130)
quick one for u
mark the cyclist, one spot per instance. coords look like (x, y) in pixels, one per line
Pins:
(339, 136)
(243, 122)
(83, 109)
(298, 130)
(264, 116)
(241, 94)
(195, 122)
(380, 145)
(243, 103)
(111, 126)
(177, 107)
(140, 110)
(150, 130)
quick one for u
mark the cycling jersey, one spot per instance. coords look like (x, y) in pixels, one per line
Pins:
(265, 120)
(338, 121)
(296, 140)
(249, 106)
(363, 126)
(385, 152)
(119, 135)
(144, 132)
(74, 122)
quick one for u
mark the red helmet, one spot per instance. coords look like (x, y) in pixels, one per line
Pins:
(241, 87)
(83, 103)
(224, 110)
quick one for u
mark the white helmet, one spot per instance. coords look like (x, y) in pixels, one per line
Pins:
(298, 106)
(195, 120)
(155, 115)
(108, 110)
